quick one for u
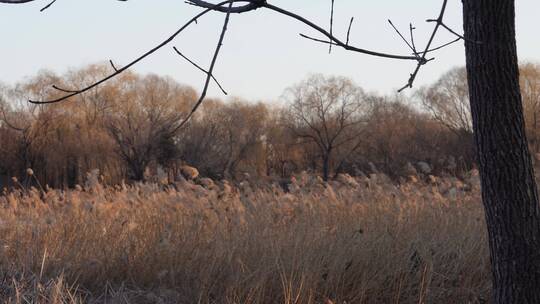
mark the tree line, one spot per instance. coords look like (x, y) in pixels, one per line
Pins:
(324, 124)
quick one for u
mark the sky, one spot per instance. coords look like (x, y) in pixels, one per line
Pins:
(262, 54)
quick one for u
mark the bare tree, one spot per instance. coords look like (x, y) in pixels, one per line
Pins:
(448, 101)
(285, 153)
(89, 130)
(328, 111)
(144, 119)
(226, 137)
(30, 125)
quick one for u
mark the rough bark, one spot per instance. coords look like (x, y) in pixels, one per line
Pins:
(509, 190)
(326, 165)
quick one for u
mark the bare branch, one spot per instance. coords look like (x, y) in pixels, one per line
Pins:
(200, 68)
(229, 8)
(150, 52)
(411, 30)
(331, 26)
(7, 122)
(403, 38)
(210, 70)
(27, 1)
(47, 6)
(442, 46)
(349, 30)
(335, 40)
(64, 90)
(314, 39)
(253, 5)
(439, 22)
(453, 32)
(15, 1)
(422, 60)
(113, 66)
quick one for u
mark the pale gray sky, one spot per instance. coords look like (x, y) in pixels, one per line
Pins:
(262, 54)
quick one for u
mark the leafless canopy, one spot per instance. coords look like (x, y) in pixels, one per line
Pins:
(228, 7)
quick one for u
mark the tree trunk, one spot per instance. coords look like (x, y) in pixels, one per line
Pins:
(535, 132)
(509, 190)
(326, 167)
(136, 171)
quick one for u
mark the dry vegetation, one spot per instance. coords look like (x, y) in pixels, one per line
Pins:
(358, 240)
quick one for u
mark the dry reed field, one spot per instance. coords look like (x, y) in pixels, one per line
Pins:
(362, 240)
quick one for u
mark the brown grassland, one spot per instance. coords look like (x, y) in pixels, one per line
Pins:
(361, 240)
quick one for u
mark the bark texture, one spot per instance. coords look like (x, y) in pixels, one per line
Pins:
(508, 186)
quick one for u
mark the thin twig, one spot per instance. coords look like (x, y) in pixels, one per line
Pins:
(47, 6)
(200, 68)
(331, 26)
(411, 29)
(64, 90)
(402, 37)
(458, 35)
(349, 30)
(113, 66)
(313, 39)
(442, 46)
(7, 122)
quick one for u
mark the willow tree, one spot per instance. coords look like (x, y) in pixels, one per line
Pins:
(328, 111)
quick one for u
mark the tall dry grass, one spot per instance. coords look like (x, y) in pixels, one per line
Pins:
(352, 241)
